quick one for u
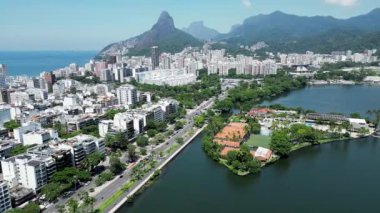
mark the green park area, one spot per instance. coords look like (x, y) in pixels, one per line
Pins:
(258, 140)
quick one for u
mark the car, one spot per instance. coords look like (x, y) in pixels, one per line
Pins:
(121, 176)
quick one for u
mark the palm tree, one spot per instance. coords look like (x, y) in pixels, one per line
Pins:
(73, 206)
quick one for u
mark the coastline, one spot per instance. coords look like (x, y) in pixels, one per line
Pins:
(295, 148)
(148, 178)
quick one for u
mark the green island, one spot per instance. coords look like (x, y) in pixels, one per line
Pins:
(256, 136)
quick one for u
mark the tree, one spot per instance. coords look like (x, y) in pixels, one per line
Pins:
(355, 115)
(225, 105)
(212, 149)
(280, 143)
(158, 126)
(254, 127)
(243, 161)
(117, 141)
(231, 156)
(143, 151)
(180, 140)
(53, 190)
(152, 132)
(104, 177)
(20, 149)
(132, 152)
(92, 160)
(110, 114)
(303, 134)
(254, 166)
(178, 125)
(11, 125)
(87, 205)
(32, 207)
(73, 206)
(142, 141)
(70, 175)
(60, 208)
(116, 166)
(160, 138)
(363, 131)
(199, 121)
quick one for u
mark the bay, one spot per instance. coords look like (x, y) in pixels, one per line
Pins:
(32, 63)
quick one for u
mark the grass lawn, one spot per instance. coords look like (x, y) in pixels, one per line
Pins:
(172, 148)
(115, 196)
(258, 140)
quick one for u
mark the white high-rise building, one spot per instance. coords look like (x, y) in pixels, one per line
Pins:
(3, 75)
(5, 199)
(27, 170)
(126, 95)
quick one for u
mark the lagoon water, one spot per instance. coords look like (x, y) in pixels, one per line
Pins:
(341, 99)
(336, 177)
(32, 63)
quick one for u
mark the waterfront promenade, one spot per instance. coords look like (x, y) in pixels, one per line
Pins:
(161, 165)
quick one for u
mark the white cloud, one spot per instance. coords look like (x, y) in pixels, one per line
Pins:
(247, 3)
(343, 3)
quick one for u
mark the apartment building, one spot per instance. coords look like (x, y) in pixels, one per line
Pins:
(27, 170)
(5, 199)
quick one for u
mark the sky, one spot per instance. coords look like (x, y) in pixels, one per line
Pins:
(92, 24)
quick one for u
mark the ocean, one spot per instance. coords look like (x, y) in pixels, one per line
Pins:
(32, 63)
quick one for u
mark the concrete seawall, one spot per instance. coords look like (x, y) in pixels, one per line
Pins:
(140, 185)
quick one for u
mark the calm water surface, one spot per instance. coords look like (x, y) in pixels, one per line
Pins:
(336, 177)
(32, 63)
(342, 99)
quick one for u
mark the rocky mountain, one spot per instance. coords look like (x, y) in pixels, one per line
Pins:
(163, 34)
(283, 29)
(200, 31)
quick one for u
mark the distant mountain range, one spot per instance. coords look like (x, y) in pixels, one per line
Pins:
(200, 31)
(282, 32)
(163, 34)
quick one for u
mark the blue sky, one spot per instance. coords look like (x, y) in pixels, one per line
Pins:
(92, 24)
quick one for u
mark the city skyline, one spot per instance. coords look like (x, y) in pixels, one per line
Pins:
(91, 25)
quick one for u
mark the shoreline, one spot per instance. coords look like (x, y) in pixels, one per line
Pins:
(147, 179)
(294, 149)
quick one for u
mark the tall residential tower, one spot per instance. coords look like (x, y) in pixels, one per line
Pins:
(3, 74)
(155, 57)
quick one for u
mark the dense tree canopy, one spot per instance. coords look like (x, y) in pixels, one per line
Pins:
(32, 207)
(116, 166)
(280, 143)
(142, 141)
(243, 161)
(117, 141)
(11, 125)
(92, 160)
(246, 95)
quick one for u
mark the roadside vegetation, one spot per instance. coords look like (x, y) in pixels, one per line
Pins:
(63, 181)
(247, 95)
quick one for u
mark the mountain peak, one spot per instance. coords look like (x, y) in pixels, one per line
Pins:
(278, 13)
(200, 31)
(165, 22)
(197, 23)
(161, 34)
(376, 10)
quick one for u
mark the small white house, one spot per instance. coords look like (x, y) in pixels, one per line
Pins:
(357, 124)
